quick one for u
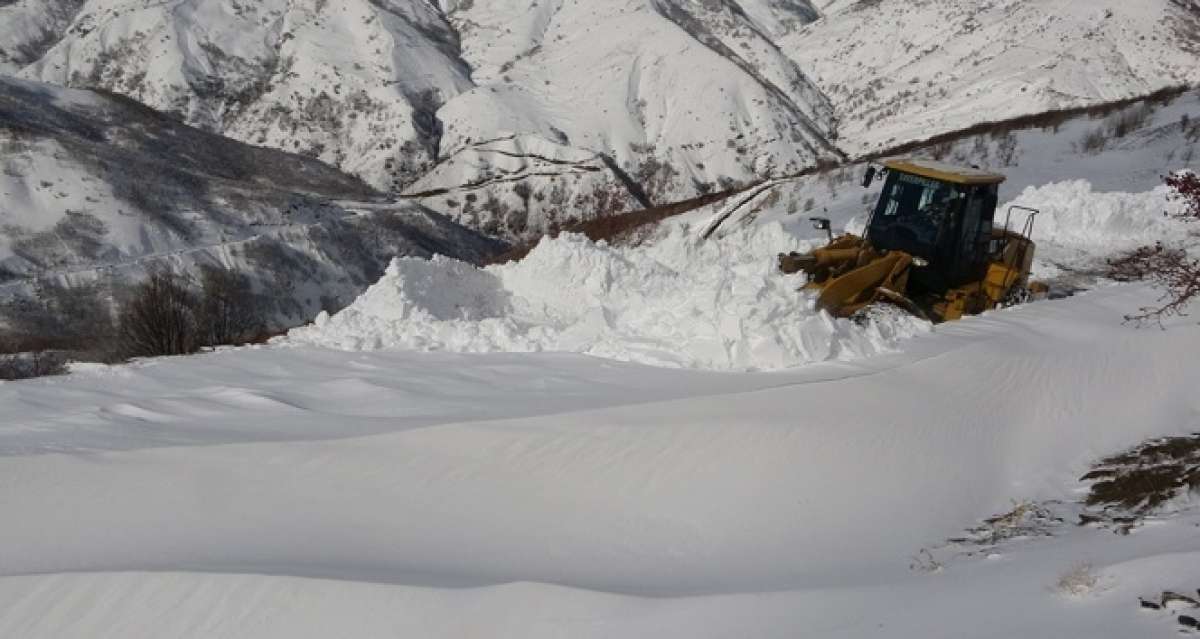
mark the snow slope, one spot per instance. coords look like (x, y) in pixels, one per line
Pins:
(98, 188)
(410, 95)
(516, 117)
(901, 71)
(1160, 137)
(140, 504)
(353, 83)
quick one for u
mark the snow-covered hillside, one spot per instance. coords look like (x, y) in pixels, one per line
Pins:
(355, 83)
(898, 71)
(674, 94)
(1073, 168)
(515, 117)
(94, 187)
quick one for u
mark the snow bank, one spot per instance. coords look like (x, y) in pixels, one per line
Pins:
(1079, 224)
(676, 303)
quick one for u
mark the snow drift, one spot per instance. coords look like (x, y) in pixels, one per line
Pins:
(1075, 215)
(676, 302)
(1078, 225)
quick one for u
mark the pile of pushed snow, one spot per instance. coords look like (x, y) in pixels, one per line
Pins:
(678, 303)
(1079, 225)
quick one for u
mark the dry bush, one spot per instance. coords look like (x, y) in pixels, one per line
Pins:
(1123, 123)
(19, 361)
(1094, 141)
(1143, 479)
(1078, 581)
(1171, 269)
(170, 315)
(228, 312)
(1187, 190)
(159, 319)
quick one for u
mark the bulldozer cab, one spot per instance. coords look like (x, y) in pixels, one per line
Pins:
(940, 214)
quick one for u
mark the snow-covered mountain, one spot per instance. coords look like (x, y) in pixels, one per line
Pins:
(1127, 147)
(355, 83)
(593, 107)
(663, 94)
(514, 116)
(99, 187)
(899, 71)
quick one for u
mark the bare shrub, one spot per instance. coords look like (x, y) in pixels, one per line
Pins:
(1123, 123)
(1187, 190)
(1171, 269)
(17, 363)
(159, 319)
(1094, 141)
(229, 312)
(58, 321)
(925, 562)
(1127, 487)
(1078, 581)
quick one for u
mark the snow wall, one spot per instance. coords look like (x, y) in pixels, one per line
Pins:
(676, 302)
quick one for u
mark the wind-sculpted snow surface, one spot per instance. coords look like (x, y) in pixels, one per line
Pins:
(298, 492)
(676, 302)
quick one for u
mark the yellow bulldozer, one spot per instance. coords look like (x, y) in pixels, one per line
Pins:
(931, 246)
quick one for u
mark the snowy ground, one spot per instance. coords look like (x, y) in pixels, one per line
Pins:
(296, 492)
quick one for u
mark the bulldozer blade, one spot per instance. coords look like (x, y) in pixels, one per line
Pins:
(903, 301)
(844, 295)
(795, 262)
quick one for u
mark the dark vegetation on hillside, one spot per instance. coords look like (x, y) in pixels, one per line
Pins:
(166, 314)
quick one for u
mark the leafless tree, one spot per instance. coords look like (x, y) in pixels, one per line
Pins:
(229, 310)
(159, 318)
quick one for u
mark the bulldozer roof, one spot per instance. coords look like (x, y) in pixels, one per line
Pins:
(943, 172)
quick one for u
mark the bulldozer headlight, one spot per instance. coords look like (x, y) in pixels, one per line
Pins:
(920, 262)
